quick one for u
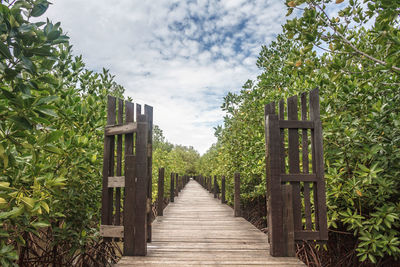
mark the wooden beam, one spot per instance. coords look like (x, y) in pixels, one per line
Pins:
(112, 231)
(116, 181)
(298, 177)
(293, 124)
(127, 128)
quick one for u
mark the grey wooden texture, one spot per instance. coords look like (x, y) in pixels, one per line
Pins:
(198, 230)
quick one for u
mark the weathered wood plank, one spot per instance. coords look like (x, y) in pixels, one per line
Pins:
(116, 182)
(118, 129)
(298, 177)
(115, 231)
(293, 124)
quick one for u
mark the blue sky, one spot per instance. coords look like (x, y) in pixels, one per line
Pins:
(181, 57)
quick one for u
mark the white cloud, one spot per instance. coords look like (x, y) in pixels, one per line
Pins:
(181, 57)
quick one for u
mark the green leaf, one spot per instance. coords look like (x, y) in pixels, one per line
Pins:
(5, 51)
(40, 224)
(29, 202)
(22, 122)
(46, 111)
(3, 201)
(53, 136)
(42, 51)
(53, 149)
(39, 9)
(53, 35)
(46, 100)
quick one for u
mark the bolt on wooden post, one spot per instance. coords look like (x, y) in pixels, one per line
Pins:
(236, 205)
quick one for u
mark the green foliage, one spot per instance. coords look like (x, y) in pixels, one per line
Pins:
(360, 111)
(52, 113)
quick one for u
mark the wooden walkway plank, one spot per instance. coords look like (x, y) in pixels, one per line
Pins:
(197, 229)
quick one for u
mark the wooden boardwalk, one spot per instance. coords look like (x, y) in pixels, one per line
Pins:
(198, 230)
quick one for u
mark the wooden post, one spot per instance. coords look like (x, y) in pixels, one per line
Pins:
(129, 206)
(119, 164)
(223, 201)
(160, 200)
(318, 166)
(273, 169)
(215, 187)
(288, 220)
(294, 160)
(108, 168)
(171, 188)
(148, 111)
(236, 205)
(176, 185)
(141, 187)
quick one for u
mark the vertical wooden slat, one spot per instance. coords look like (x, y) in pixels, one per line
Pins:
(215, 187)
(320, 205)
(141, 186)
(176, 185)
(236, 205)
(129, 117)
(288, 223)
(304, 145)
(269, 109)
(119, 164)
(281, 115)
(274, 196)
(294, 161)
(223, 201)
(138, 111)
(148, 110)
(160, 200)
(108, 167)
(171, 188)
(129, 205)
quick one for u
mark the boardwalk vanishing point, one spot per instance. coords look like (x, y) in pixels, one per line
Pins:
(197, 229)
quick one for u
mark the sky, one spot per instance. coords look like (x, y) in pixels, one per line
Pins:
(181, 57)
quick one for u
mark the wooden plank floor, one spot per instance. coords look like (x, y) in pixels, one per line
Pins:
(198, 230)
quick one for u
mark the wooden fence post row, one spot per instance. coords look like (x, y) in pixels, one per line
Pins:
(285, 220)
(135, 179)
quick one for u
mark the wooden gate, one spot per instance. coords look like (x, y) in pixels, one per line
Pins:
(126, 194)
(296, 204)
